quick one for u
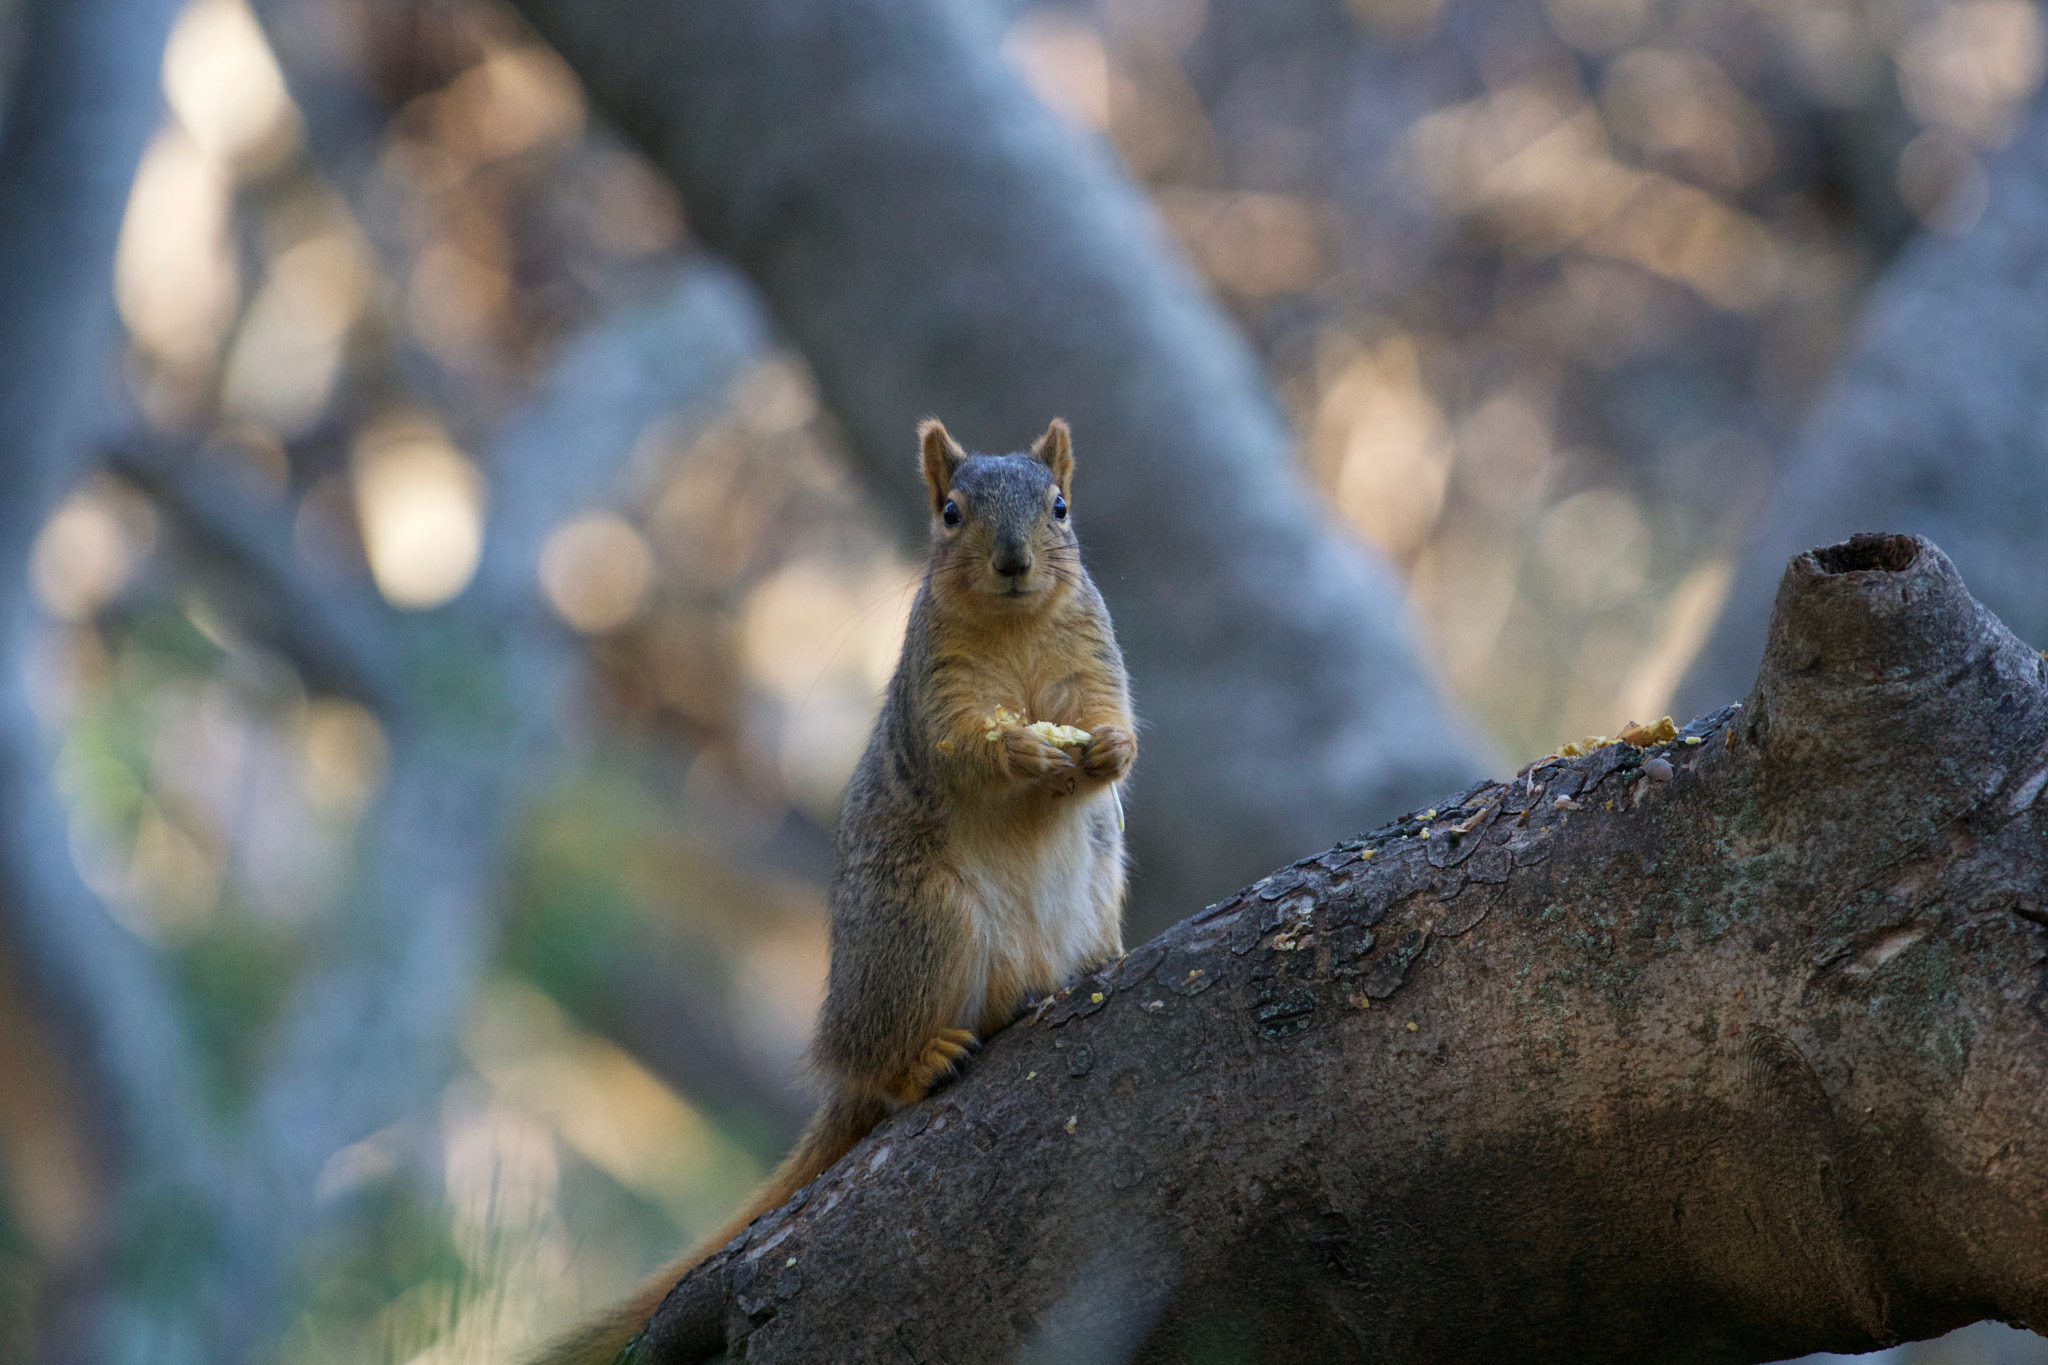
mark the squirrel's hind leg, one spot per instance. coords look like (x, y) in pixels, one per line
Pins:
(942, 1057)
(902, 954)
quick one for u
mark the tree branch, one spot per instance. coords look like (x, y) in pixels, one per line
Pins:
(337, 634)
(1740, 1044)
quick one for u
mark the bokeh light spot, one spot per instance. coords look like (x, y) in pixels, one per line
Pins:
(342, 756)
(224, 85)
(421, 506)
(88, 549)
(174, 277)
(596, 571)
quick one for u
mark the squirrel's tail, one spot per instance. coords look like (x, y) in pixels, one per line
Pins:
(839, 1123)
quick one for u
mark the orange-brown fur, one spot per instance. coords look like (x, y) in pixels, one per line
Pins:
(973, 873)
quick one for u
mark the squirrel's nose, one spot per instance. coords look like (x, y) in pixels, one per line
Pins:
(1012, 558)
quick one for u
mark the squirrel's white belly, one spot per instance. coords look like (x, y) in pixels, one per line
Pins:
(1042, 908)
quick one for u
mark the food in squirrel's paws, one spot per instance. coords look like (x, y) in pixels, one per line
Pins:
(1066, 736)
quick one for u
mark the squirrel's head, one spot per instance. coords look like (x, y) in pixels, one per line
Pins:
(1001, 535)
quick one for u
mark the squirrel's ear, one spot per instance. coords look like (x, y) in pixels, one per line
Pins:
(941, 455)
(1055, 450)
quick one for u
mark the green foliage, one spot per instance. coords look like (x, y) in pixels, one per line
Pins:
(233, 980)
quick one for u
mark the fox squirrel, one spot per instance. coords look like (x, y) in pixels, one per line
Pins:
(980, 852)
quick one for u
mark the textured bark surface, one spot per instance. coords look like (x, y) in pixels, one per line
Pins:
(936, 241)
(1724, 1050)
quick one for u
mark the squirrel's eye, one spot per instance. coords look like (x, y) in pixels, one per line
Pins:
(1059, 507)
(951, 516)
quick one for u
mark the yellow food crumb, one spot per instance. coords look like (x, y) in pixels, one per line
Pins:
(1692, 739)
(1071, 1121)
(1066, 736)
(1414, 1027)
(945, 746)
(1367, 854)
(791, 1261)
(1425, 833)
(1642, 736)
(1032, 1076)
(1429, 814)
(1578, 748)
(1095, 998)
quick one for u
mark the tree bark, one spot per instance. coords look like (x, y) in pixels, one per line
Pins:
(937, 242)
(1933, 425)
(1727, 1049)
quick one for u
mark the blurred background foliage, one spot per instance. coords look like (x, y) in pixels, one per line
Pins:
(1543, 338)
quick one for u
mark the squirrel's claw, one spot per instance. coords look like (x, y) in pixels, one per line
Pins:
(942, 1058)
(1026, 753)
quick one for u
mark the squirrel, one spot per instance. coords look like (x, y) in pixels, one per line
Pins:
(980, 856)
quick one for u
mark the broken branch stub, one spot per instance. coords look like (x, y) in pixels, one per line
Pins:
(1731, 1048)
(1879, 665)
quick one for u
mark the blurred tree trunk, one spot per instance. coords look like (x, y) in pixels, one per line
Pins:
(80, 109)
(120, 1097)
(937, 242)
(1935, 424)
(1727, 1049)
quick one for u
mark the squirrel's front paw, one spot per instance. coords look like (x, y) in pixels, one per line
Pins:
(1111, 751)
(1026, 753)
